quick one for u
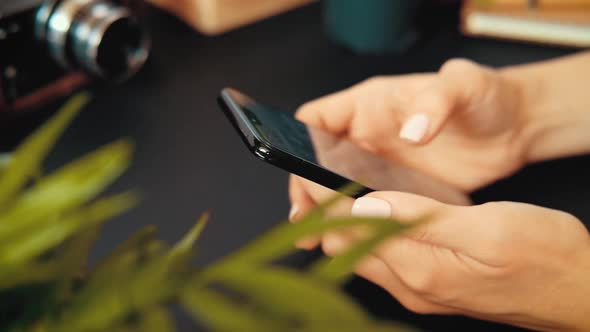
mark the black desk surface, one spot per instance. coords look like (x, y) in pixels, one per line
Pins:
(188, 159)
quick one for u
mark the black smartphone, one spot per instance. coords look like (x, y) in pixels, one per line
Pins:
(333, 162)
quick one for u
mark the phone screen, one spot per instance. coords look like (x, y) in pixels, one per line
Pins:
(281, 131)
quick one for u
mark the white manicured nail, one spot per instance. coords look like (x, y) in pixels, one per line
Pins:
(293, 212)
(371, 207)
(415, 128)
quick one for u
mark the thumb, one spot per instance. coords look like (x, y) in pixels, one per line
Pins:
(449, 226)
(393, 204)
(421, 266)
(451, 91)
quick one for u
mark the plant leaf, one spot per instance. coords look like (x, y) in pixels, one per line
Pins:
(338, 268)
(219, 313)
(72, 258)
(27, 158)
(154, 319)
(318, 212)
(128, 292)
(22, 305)
(163, 276)
(372, 327)
(4, 159)
(30, 273)
(143, 277)
(286, 295)
(122, 266)
(26, 246)
(188, 241)
(140, 239)
(67, 188)
(101, 302)
(280, 240)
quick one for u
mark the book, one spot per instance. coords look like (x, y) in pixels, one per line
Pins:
(565, 26)
(535, 3)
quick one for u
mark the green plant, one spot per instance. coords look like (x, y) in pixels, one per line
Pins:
(49, 222)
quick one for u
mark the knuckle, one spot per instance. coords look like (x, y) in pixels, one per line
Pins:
(367, 127)
(502, 230)
(457, 65)
(364, 135)
(374, 81)
(433, 286)
(491, 208)
(424, 282)
(479, 76)
(499, 228)
(332, 245)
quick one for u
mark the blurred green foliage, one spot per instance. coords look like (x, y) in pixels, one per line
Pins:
(48, 224)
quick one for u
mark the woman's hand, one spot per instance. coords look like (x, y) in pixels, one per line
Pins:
(507, 262)
(463, 125)
(469, 121)
(468, 125)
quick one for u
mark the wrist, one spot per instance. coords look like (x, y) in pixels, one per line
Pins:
(534, 127)
(581, 306)
(555, 123)
(565, 303)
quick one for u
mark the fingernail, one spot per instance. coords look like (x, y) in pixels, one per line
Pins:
(415, 128)
(371, 207)
(293, 212)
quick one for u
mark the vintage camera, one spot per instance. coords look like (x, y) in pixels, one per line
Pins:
(48, 48)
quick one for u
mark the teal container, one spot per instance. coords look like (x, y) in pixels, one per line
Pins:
(372, 26)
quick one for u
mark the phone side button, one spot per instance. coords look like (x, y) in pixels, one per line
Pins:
(263, 152)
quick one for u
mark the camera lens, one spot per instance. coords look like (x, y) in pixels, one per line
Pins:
(98, 36)
(109, 41)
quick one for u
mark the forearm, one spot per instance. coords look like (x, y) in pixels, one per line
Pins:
(555, 100)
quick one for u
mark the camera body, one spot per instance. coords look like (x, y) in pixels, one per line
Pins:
(48, 48)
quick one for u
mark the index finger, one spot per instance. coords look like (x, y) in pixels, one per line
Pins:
(301, 201)
(333, 113)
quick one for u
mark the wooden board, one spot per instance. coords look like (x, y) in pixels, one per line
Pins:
(213, 17)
